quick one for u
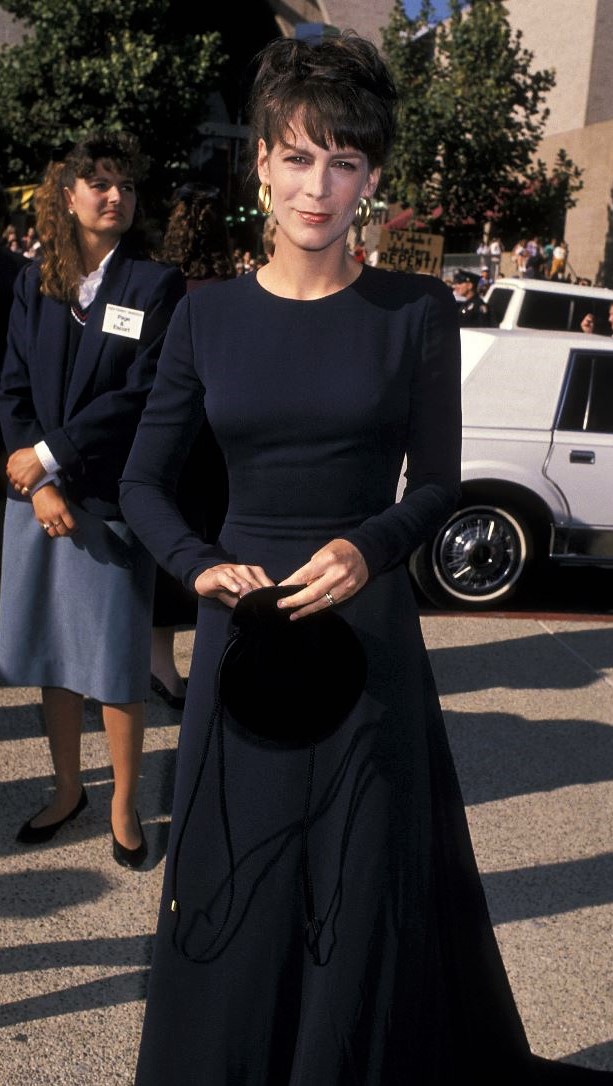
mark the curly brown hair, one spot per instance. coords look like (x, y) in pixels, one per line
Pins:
(196, 238)
(61, 263)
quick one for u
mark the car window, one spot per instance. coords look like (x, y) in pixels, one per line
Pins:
(599, 307)
(546, 311)
(600, 411)
(497, 303)
(588, 398)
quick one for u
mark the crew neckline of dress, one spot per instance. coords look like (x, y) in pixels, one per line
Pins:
(307, 301)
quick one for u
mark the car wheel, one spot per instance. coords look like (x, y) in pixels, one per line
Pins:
(476, 561)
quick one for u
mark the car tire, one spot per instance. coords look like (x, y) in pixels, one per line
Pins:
(477, 560)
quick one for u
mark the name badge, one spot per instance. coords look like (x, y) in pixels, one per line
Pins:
(121, 321)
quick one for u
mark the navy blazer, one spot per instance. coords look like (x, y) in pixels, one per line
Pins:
(10, 266)
(90, 425)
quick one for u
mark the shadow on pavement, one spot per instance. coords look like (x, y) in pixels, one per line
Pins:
(527, 893)
(498, 755)
(110, 991)
(538, 662)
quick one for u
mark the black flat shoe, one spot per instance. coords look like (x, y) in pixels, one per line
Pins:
(37, 835)
(176, 701)
(130, 857)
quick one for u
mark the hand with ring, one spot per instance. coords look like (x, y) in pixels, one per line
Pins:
(24, 470)
(52, 511)
(332, 575)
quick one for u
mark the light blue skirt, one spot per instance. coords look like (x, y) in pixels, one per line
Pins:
(75, 612)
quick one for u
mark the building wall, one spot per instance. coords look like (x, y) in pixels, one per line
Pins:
(588, 224)
(560, 33)
(577, 41)
(367, 18)
(11, 30)
(600, 100)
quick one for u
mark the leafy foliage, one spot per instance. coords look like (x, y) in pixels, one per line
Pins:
(102, 64)
(472, 115)
(538, 206)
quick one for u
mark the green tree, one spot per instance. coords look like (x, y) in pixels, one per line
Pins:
(409, 48)
(538, 204)
(129, 65)
(472, 115)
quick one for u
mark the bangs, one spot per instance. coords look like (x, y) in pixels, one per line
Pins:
(118, 152)
(331, 116)
(112, 165)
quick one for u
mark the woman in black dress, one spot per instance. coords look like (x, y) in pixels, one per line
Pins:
(317, 375)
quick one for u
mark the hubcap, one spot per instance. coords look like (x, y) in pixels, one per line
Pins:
(480, 554)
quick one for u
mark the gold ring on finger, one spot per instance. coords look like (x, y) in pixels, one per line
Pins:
(330, 599)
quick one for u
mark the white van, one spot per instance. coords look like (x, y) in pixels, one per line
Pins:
(537, 464)
(537, 303)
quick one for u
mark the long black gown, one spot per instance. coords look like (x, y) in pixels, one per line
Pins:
(314, 404)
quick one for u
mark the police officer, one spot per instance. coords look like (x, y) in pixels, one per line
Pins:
(472, 310)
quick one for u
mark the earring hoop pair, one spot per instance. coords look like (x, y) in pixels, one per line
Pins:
(264, 199)
(363, 213)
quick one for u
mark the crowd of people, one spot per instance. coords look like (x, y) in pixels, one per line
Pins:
(242, 427)
(531, 257)
(27, 246)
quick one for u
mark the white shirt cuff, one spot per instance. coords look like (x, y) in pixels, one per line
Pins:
(46, 458)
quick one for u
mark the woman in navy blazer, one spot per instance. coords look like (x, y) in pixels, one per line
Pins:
(85, 333)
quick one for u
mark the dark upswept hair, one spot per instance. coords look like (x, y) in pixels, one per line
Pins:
(196, 238)
(339, 88)
(60, 265)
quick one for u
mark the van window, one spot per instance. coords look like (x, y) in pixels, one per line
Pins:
(600, 415)
(599, 307)
(546, 311)
(588, 399)
(498, 302)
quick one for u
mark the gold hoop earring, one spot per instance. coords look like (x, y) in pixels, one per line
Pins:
(363, 213)
(264, 199)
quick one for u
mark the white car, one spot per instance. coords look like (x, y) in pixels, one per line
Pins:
(540, 304)
(537, 466)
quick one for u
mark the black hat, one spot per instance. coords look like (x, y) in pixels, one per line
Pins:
(290, 682)
(461, 275)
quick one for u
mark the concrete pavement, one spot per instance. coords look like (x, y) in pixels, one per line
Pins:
(529, 709)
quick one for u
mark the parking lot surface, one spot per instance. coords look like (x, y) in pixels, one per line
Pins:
(528, 704)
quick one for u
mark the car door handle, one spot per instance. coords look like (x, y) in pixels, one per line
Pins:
(582, 456)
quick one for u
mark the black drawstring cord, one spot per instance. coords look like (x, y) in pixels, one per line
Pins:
(180, 945)
(313, 925)
(174, 903)
(217, 714)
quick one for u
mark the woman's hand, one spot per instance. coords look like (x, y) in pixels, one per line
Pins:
(24, 470)
(332, 575)
(228, 582)
(52, 512)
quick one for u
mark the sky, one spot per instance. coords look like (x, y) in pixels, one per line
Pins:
(412, 8)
